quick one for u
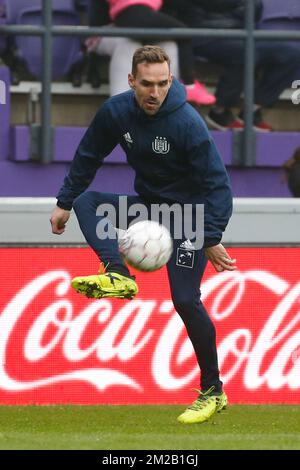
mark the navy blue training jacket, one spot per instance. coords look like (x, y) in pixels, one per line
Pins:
(172, 153)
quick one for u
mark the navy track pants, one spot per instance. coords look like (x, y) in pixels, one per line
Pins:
(184, 281)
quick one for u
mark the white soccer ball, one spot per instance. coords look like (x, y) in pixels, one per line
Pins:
(146, 245)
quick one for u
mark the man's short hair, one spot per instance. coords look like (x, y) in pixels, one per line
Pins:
(150, 55)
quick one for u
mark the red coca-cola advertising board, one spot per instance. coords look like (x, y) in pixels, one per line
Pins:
(57, 346)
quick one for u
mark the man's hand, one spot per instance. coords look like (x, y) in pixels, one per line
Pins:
(219, 258)
(59, 218)
(92, 43)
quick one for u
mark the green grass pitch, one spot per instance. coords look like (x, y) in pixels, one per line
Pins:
(147, 427)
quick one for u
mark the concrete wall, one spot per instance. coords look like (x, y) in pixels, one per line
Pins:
(255, 221)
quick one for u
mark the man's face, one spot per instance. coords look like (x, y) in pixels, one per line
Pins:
(151, 85)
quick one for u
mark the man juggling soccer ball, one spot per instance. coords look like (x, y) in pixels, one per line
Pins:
(175, 161)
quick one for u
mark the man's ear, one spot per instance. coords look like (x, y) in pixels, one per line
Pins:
(131, 81)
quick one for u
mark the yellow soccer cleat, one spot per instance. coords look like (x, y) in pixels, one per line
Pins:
(204, 407)
(222, 402)
(106, 285)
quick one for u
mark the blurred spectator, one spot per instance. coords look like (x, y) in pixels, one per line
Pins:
(276, 62)
(147, 14)
(119, 49)
(292, 170)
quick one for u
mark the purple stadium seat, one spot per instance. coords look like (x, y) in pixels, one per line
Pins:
(13, 7)
(276, 9)
(66, 50)
(280, 14)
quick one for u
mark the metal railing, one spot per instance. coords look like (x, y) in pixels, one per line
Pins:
(249, 35)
